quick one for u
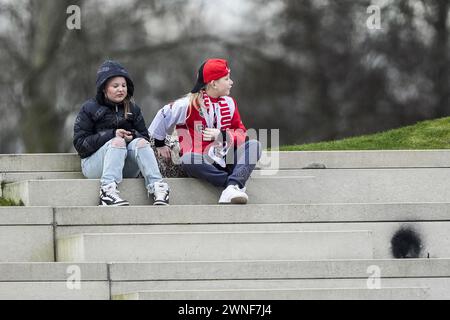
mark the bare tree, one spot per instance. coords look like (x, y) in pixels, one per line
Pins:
(52, 69)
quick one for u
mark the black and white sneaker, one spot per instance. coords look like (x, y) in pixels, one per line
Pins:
(161, 194)
(109, 196)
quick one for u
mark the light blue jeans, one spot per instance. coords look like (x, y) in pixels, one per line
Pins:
(111, 164)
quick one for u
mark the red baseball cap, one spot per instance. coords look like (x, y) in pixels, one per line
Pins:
(211, 69)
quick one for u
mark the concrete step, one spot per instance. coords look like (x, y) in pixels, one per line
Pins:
(231, 275)
(327, 186)
(54, 290)
(59, 280)
(214, 246)
(248, 214)
(364, 159)
(270, 160)
(9, 177)
(279, 269)
(438, 287)
(432, 237)
(51, 271)
(43, 162)
(26, 234)
(53, 281)
(430, 221)
(279, 294)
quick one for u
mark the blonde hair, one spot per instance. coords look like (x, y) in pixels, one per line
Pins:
(195, 101)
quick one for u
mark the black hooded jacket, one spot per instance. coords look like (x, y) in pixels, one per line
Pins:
(98, 119)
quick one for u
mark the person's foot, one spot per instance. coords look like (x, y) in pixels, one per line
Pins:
(233, 194)
(161, 194)
(109, 196)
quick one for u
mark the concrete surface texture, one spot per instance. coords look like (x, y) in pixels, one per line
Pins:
(307, 233)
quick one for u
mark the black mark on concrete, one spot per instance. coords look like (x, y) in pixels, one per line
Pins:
(406, 243)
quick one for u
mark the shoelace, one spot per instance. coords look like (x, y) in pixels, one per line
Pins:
(236, 187)
(161, 187)
(114, 194)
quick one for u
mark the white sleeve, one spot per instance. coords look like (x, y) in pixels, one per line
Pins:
(167, 118)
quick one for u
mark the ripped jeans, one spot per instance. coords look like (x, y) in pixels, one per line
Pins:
(112, 162)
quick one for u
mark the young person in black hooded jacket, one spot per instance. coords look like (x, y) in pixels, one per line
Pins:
(112, 140)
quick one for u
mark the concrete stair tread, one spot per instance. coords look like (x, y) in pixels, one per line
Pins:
(394, 293)
(432, 236)
(438, 286)
(218, 214)
(226, 269)
(54, 290)
(49, 280)
(51, 271)
(26, 216)
(28, 233)
(306, 232)
(11, 177)
(348, 186)
(214, 246)
(286, 160)
(44, 162)
(251, 213)
(279, 269)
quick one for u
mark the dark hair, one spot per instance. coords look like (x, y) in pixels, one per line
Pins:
(127, 105)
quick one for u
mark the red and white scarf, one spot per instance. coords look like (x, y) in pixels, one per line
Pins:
(208, 111)
(219, 150)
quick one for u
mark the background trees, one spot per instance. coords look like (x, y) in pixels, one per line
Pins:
(313, 69)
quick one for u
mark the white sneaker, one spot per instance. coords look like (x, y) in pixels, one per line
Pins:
(233, 194)
(109, 196)
(161, 194)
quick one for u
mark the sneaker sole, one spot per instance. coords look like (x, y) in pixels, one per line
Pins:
(160, 203)
(236, 200)
(113, 205)
(239, 200)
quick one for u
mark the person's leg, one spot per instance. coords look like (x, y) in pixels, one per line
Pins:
(245, 159)
(107, 164)
(131, 168)
(196, 166)
(141, 158)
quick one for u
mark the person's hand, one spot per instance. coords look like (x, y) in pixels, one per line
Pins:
(122, 133)
(164, 152)
(210, 134)
(128, 138)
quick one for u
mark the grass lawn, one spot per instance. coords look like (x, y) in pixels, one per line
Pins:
(430, 134)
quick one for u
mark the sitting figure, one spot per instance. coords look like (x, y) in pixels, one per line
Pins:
(112, 140)
(213, 140)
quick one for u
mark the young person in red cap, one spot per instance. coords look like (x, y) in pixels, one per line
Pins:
(213, 140)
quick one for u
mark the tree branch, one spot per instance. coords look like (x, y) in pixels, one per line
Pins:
(165, 46)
